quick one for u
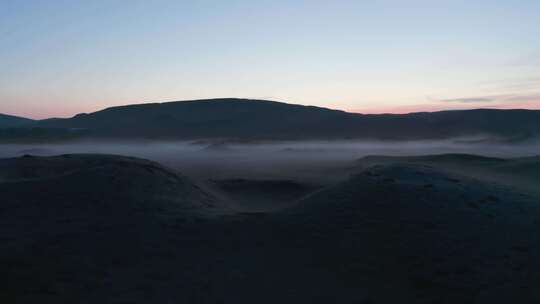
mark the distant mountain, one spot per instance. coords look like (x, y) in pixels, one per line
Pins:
(261, 119)
(8, 121)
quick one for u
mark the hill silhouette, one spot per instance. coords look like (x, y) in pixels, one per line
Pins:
(9, 121)
(232, 118)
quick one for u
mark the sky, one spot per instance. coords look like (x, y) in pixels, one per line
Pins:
(60, 58)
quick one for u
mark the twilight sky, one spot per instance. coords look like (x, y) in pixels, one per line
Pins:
(59, 58)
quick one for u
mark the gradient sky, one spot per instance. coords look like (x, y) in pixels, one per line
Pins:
(59, 58)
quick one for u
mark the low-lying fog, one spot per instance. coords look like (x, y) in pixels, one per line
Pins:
(306, 159)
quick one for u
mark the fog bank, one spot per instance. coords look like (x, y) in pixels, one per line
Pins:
(302, 159)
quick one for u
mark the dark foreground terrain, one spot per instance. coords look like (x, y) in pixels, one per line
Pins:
(111, 229)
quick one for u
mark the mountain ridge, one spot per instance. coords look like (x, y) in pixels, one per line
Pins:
(251, 119)
(7, 121)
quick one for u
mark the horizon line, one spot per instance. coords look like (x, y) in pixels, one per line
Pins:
(351, 111)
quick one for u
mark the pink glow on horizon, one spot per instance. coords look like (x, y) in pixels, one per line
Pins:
(404, 109)
(42, 113)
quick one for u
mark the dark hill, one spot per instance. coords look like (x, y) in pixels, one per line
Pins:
(259, 119)
(98, 184)
(76, 217)
(8, 121)
(427, 235)
(521, 172)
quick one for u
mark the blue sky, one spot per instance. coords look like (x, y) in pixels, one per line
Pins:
(59, 58)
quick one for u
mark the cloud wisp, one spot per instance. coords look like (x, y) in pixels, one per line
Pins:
(532, 97)
(469, 99)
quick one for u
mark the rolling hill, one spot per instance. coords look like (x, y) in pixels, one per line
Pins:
(428, 235)
(8, 121)
(521, 172)
(245, 119)
(83, 228)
